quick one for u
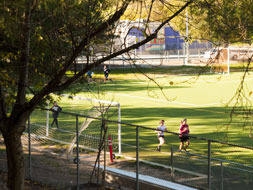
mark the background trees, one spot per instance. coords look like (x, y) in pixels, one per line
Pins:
(222, 21)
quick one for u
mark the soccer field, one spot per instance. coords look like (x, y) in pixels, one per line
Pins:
(204, 100)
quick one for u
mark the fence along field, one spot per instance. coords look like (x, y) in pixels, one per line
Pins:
(196, 168)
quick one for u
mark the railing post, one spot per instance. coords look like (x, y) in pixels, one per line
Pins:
(119, 129)
(77, 154)
(29, 148)
(171, 161)
(221, 165)
(47, 121)
(209, 165)
(137, 158)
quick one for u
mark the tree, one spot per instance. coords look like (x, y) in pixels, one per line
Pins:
(40, 41)
(222, 21)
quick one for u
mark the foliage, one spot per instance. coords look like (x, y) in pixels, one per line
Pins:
(223, 21)
(56, 28)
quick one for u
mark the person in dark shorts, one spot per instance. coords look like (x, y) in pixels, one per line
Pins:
(184, 135)
(56, 110)
(106, 73)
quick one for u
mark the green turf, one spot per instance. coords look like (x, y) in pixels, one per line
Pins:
(173, 93)
(170, 93)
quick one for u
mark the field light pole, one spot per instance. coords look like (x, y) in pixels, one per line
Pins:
(228, 60)
(186, 60)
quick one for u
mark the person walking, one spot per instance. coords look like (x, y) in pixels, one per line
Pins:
(184, 135)
(160, 134)
(106, 73)
(89, 75)
(55, 110)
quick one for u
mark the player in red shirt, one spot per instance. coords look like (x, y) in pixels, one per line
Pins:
(184, 135)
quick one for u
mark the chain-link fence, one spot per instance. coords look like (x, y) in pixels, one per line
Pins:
(77, 154)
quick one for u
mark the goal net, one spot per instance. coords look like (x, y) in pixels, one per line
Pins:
(89, 125)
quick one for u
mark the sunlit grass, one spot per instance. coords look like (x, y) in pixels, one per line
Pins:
(170, 94)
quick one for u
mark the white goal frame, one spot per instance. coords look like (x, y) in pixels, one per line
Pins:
(107, 102)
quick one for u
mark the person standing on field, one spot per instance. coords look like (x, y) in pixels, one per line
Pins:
(106, 73)
(184, 135)
(160, 134)
(89, 75)
(56, 110)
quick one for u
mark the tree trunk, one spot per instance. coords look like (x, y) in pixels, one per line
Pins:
(15, 157)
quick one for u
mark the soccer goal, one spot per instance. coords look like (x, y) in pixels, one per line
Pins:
(102, 104)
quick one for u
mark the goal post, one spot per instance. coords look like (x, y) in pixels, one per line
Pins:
(111, 103)
(231, 54)
(96, 101)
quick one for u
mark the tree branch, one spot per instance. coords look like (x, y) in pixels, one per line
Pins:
(127, 49)
(55, 85)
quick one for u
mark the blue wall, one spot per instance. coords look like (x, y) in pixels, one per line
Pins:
(172, 40)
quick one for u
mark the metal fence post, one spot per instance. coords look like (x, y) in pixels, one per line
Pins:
(104, 145)
(221, 165)
(119, 129)
(209, 165)
(171, 161)
(29, 148)
(47, 120)
(137, 158)
(77, 154)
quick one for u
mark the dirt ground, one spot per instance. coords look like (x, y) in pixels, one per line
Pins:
(118, 182)
(50, 166)
(46, 173)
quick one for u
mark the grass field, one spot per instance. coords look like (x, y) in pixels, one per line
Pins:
(170, 93)
(173, 93)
